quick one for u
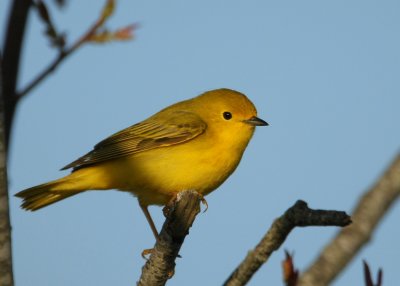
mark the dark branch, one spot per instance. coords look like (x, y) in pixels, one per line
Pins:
(370, 210)
(180, 215)
(11, 58)
(6, 272)
(298, 215)
(9, 68)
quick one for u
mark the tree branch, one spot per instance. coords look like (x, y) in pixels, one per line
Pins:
(6, 272)
(12, 52)
(9, 68)
(63, 54)
(371, 208)
(180, 214)
(11, 57)
(298, 215)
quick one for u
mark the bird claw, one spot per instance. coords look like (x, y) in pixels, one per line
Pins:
(147, 252)
(167, 207)
(171, 273)
(150, 251)
(204, 202)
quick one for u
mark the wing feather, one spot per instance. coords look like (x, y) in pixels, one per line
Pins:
(155, 132)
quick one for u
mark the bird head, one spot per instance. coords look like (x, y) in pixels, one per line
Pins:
(229, 115)
(226, 107)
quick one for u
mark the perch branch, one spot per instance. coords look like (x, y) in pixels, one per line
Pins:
(298, 215)
(372, 206)
(180, 214)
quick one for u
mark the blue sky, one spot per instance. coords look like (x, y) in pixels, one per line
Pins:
(324, 74)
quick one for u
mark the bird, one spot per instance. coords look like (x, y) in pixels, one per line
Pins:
(195, 144)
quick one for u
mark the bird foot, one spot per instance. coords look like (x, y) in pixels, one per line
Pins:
(204, 202)
(147, 252)
(167, 207)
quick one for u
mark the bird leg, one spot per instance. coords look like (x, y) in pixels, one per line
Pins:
(166, 210)
(145, 210)
(149, 220)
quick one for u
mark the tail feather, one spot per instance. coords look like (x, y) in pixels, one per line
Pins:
(37, 202)
(46, 194)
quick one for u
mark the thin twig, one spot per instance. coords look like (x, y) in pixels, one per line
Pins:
(63, 54)
(298, 215)
(369, 211)
(180, 215)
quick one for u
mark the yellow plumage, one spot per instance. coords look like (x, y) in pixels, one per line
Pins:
(194, 144)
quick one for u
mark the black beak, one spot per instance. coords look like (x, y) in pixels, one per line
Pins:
(255, 121)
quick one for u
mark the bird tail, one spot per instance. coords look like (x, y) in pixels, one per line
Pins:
(49, 193)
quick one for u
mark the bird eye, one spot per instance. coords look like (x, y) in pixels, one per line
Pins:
(227, 115)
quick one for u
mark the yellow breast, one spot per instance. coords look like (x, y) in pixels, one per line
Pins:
(156, 175)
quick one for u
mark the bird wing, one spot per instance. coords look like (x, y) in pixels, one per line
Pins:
(152, 133)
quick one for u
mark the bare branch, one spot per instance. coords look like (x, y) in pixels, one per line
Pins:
(9, 69)
(60, 58)
(180, 215)
(372, 206)
(65, 53)
(6, 272)
(56, 39)
(12, 53)
(298, 215)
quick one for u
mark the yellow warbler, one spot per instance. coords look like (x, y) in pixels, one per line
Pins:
(191, 145)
